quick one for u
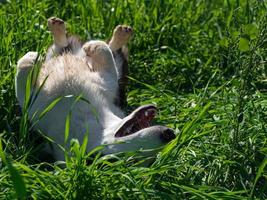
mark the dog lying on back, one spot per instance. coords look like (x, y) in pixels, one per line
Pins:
(90, 80)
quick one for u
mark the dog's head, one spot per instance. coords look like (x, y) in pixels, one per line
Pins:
(134, 133)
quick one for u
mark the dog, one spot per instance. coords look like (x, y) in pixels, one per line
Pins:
(86, 83)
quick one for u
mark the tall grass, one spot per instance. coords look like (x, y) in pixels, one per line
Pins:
(202, 62)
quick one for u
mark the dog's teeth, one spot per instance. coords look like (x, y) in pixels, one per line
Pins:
(146, 113)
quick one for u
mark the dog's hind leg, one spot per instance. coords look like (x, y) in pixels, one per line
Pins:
(24, 67)
(58, 30)
(120, 37)
(62, 43)
(118, 42)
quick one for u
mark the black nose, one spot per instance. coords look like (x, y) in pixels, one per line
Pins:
(167, 135)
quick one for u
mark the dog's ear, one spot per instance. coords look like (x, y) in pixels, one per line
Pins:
(137, 120)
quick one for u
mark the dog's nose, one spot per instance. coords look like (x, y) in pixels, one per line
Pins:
(167, 135)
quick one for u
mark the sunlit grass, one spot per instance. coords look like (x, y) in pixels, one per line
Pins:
(203, 63)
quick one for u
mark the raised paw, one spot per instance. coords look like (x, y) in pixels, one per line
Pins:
(56, 25)
(120, 37)
(58, 30)
(99, 54)
(123, 32)
(96, 48)
(28, 60)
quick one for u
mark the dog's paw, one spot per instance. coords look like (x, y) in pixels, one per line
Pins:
(96, 48)
(28, 60)
(56, 25)
(98, 54)
(122, 33)
(58, 30)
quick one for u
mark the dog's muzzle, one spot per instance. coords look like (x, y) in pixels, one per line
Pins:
(167, 135)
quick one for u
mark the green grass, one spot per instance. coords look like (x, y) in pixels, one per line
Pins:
(202, 62)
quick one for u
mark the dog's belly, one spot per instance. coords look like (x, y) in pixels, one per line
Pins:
(75, 118)
(84, 95)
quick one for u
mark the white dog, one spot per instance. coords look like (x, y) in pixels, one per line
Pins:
(90, 86)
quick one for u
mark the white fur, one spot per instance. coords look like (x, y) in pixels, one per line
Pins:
(95, 78)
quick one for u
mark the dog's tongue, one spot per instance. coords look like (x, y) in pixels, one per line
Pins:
(137, 120)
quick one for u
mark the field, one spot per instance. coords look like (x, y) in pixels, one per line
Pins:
(202, 62)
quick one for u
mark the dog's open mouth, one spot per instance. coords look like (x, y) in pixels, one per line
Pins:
(138, 120)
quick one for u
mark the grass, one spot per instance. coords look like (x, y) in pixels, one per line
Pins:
(202, 62)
